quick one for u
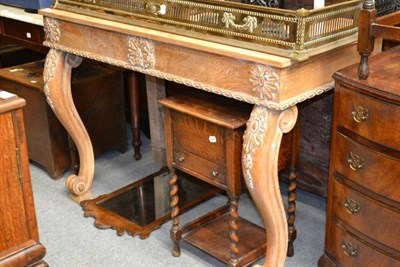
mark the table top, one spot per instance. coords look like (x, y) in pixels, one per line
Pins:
(20, 15)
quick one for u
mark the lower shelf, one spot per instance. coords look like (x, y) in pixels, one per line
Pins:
(143, 206)
(213, 238)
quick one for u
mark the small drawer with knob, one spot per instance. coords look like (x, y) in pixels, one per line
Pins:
(366, 215)
(29, 34)
(371, 118)
(200, 168)
(349, 250)
(363, 165)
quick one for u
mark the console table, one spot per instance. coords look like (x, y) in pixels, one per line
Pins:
(272, 83)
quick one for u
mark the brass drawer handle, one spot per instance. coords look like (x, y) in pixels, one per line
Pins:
(214, 174)
(355, 161)
(349, 249)
(181, 159)
(359, 113)
(351, 205)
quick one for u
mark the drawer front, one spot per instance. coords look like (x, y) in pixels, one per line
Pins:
(23, 31)
(367, 216)
(351, 252)
(208, 171)
(373, 119)
(201, 138)
(367, 168)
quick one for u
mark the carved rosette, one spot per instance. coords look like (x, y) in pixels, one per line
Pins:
(48, 74)
(51, 29)
(253, 138)
(265, 81)
(141, 52)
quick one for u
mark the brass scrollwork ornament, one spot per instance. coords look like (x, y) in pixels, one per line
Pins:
(155, 8)
(249, 22)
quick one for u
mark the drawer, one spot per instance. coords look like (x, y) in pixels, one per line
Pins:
(208, 171)
(373, 119)
(367, 168)
(23, 31)
(198, 137)
(367, 216)
(352, 252)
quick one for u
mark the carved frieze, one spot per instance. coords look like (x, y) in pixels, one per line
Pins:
(265, 81)
(51, 29)
(141, 52)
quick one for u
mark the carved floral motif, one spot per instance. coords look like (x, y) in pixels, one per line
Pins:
(141, 52)
(253, 138)
(48, 74)
(265, 81)
(51, 29)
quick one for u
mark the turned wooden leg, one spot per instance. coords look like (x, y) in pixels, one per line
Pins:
(175, 233)
(292, 189)
(57, 88)
(233, 230)
(260, 153)
(291, 211)
(134, 103)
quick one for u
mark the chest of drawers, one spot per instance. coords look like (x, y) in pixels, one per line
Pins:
(363, 216)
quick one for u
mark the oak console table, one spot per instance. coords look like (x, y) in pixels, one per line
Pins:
(274, 84)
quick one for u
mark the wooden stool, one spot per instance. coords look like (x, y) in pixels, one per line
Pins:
(204, 139)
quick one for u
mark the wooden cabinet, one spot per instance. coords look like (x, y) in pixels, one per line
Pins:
(363, 216)
(19, 239)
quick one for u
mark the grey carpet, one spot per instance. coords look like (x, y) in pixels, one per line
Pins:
(73, 241)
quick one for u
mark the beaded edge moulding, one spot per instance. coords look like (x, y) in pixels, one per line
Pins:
(295, 34)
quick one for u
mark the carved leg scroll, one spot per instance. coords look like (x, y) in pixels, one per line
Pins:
(260, 168)
(57, 88)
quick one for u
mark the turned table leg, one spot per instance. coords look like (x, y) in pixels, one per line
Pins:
(134, 103)
(57, 88)
(261, 143)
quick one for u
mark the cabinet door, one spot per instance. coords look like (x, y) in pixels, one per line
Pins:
(17, 217)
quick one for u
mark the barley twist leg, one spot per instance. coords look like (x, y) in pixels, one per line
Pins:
(233, 230)
(175, 235)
